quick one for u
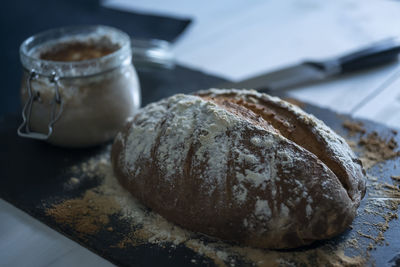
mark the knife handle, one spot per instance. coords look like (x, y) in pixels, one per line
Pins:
(374, 55)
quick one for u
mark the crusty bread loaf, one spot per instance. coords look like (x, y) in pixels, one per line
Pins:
(241, 166)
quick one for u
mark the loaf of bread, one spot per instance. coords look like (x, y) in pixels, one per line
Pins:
(241, 166)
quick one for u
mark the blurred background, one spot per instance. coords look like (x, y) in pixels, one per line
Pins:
(228, 41)
(232, 40)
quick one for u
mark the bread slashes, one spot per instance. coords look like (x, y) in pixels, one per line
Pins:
(241, 166)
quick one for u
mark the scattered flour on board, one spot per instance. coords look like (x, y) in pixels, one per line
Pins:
(150, 228)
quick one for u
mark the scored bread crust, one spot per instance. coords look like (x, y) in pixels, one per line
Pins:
(242, 166)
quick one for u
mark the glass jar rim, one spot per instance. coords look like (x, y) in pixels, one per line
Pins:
(121, 56)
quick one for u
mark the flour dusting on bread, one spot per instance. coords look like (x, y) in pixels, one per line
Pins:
(192, 119)
(221, 168)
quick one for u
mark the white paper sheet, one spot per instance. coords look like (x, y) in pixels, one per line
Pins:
(238, 39)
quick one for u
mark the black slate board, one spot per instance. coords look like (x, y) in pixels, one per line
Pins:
(33, 178)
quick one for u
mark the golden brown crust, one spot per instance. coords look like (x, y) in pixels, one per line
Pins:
(297, 128)
(269, 192)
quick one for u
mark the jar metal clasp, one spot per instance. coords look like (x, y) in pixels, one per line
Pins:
(24, 129)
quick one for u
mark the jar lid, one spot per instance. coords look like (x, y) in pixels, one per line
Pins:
(32, 49)
(152, 53)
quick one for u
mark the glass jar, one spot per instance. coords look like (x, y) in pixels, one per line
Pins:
(79, 85)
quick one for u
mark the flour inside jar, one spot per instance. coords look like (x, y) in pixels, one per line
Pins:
(78, 51)
(91, 70)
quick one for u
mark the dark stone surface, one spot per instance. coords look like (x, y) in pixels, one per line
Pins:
(33, 174)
